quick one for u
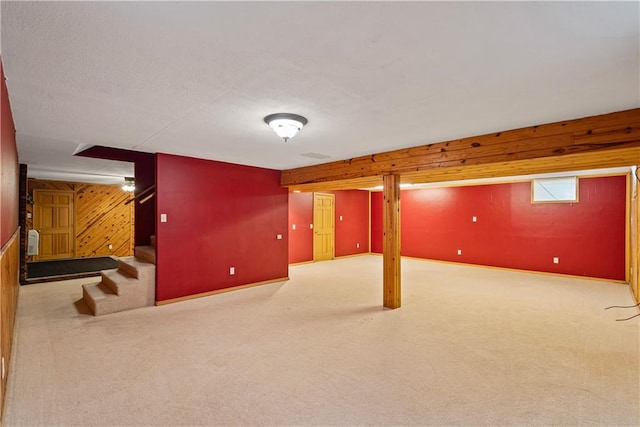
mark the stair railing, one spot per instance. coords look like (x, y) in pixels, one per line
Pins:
(143, 195)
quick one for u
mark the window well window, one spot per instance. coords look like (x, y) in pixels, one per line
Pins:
(555, 190)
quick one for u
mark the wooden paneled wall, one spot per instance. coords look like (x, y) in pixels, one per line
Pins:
(9, 286)
(101, 217)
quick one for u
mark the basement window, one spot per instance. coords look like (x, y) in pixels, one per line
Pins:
(554, 190)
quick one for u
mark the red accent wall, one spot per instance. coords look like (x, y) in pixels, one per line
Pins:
(9, 175)
(588, 237)
(376, 222)
(300, 239)
(353, 206)
(219, 215)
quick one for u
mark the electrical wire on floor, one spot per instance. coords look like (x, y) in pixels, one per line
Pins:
(628, 318)
(624, 306)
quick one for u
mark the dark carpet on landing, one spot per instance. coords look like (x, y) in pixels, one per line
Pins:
(69, 266)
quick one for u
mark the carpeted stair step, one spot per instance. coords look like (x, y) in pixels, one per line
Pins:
(118, 281)
(131, 286)
(147, 253)
(100, 299)
(137, 268)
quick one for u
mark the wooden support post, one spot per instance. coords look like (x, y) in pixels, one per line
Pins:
(391, 241)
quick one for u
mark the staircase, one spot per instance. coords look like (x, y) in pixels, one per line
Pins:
(131, 285)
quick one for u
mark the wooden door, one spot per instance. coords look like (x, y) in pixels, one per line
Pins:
(53, 219)
(323, 226)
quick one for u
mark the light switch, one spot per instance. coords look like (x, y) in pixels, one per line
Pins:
(293, 227)
(163, 217)
(459, 251)
(279, 236)
(232, 271)
(28, 215)
(340, 217)
(475, 219)
(311, 226)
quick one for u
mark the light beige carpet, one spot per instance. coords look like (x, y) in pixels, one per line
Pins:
(470, 346)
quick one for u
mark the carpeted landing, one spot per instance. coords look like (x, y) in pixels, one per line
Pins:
(68, 267)
(470, 346)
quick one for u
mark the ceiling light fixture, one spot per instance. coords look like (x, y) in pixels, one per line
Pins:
(285, 125)
(129, 184)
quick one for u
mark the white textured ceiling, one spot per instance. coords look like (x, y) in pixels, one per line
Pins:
(197, 78)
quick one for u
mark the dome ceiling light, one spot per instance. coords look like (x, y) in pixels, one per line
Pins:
(285, 125)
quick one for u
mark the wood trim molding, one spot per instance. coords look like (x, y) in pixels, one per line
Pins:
(291, 264)
(607, 140)
(351, 256)
(519, 270)
(221, 291)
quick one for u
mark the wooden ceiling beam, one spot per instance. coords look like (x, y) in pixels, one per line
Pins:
(607, 140)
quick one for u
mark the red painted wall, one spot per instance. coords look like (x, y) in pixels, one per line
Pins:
(353, 206)
(300, 239)
(9, 177)
(588, 237)
(376, 222)
(219, 215)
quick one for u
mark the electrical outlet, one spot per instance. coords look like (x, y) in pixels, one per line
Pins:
(556, 260)
(340, 217)
(311, 226)
(358, 245)
(110, 247)
(459, 251)
(475, 219)
(279, 236)
(232, 271)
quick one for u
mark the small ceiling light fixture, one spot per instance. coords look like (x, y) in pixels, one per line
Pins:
(129, 184)
(285, 125)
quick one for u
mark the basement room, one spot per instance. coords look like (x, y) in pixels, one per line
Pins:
(320, 213)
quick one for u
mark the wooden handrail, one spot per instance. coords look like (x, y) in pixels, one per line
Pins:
(148, 197)
(140, 194)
